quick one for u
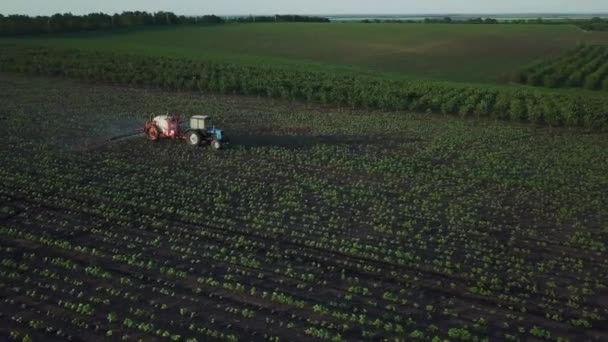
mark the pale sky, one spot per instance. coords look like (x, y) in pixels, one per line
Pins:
(227, 7)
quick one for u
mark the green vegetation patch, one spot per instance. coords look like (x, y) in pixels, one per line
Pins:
(455, 52)
(337, 87)
(584, 67)
(324, 223)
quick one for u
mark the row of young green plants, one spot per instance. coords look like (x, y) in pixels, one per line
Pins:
(279, 298)
(129, 195)
(272, 295)
(343, 236)
(197, 252)
(310, 85)
(102, 308)
(586, 66)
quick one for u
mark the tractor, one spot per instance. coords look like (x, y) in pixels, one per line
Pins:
(172, 126)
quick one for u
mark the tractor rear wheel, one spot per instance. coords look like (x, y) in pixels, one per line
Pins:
(193, 138)
(152, 133)
(216, 145)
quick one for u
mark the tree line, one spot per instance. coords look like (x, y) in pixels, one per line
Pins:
(279, 18)
(59, 23)
(14, 25)
(593, 24)
(444, 20)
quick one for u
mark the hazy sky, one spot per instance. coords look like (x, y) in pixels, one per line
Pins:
(222, 7)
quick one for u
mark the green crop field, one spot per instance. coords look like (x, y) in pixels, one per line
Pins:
(586, 66)
(384, 182)
(317, 223)
(479, 53)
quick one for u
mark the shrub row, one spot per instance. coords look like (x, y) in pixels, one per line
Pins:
(585, 66)
(311, 85)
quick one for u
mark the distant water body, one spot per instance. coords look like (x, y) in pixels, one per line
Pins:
(462, 17)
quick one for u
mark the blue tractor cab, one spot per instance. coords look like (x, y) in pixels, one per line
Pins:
(202, 130)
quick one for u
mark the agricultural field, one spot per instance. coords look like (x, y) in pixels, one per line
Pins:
(318, 223)
(586, 66)
(457, 52)
(338, 88)
(456, 69)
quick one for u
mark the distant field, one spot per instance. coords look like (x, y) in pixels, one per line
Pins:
(469, 53)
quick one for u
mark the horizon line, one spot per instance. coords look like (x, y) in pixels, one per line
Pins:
(342, 14)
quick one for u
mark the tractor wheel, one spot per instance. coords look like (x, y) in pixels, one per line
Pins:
(193, 138)
(152, 133)
(216, 145)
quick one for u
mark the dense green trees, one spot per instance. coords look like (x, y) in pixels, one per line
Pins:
(279, 18)
(22, 24)
(338, 88)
